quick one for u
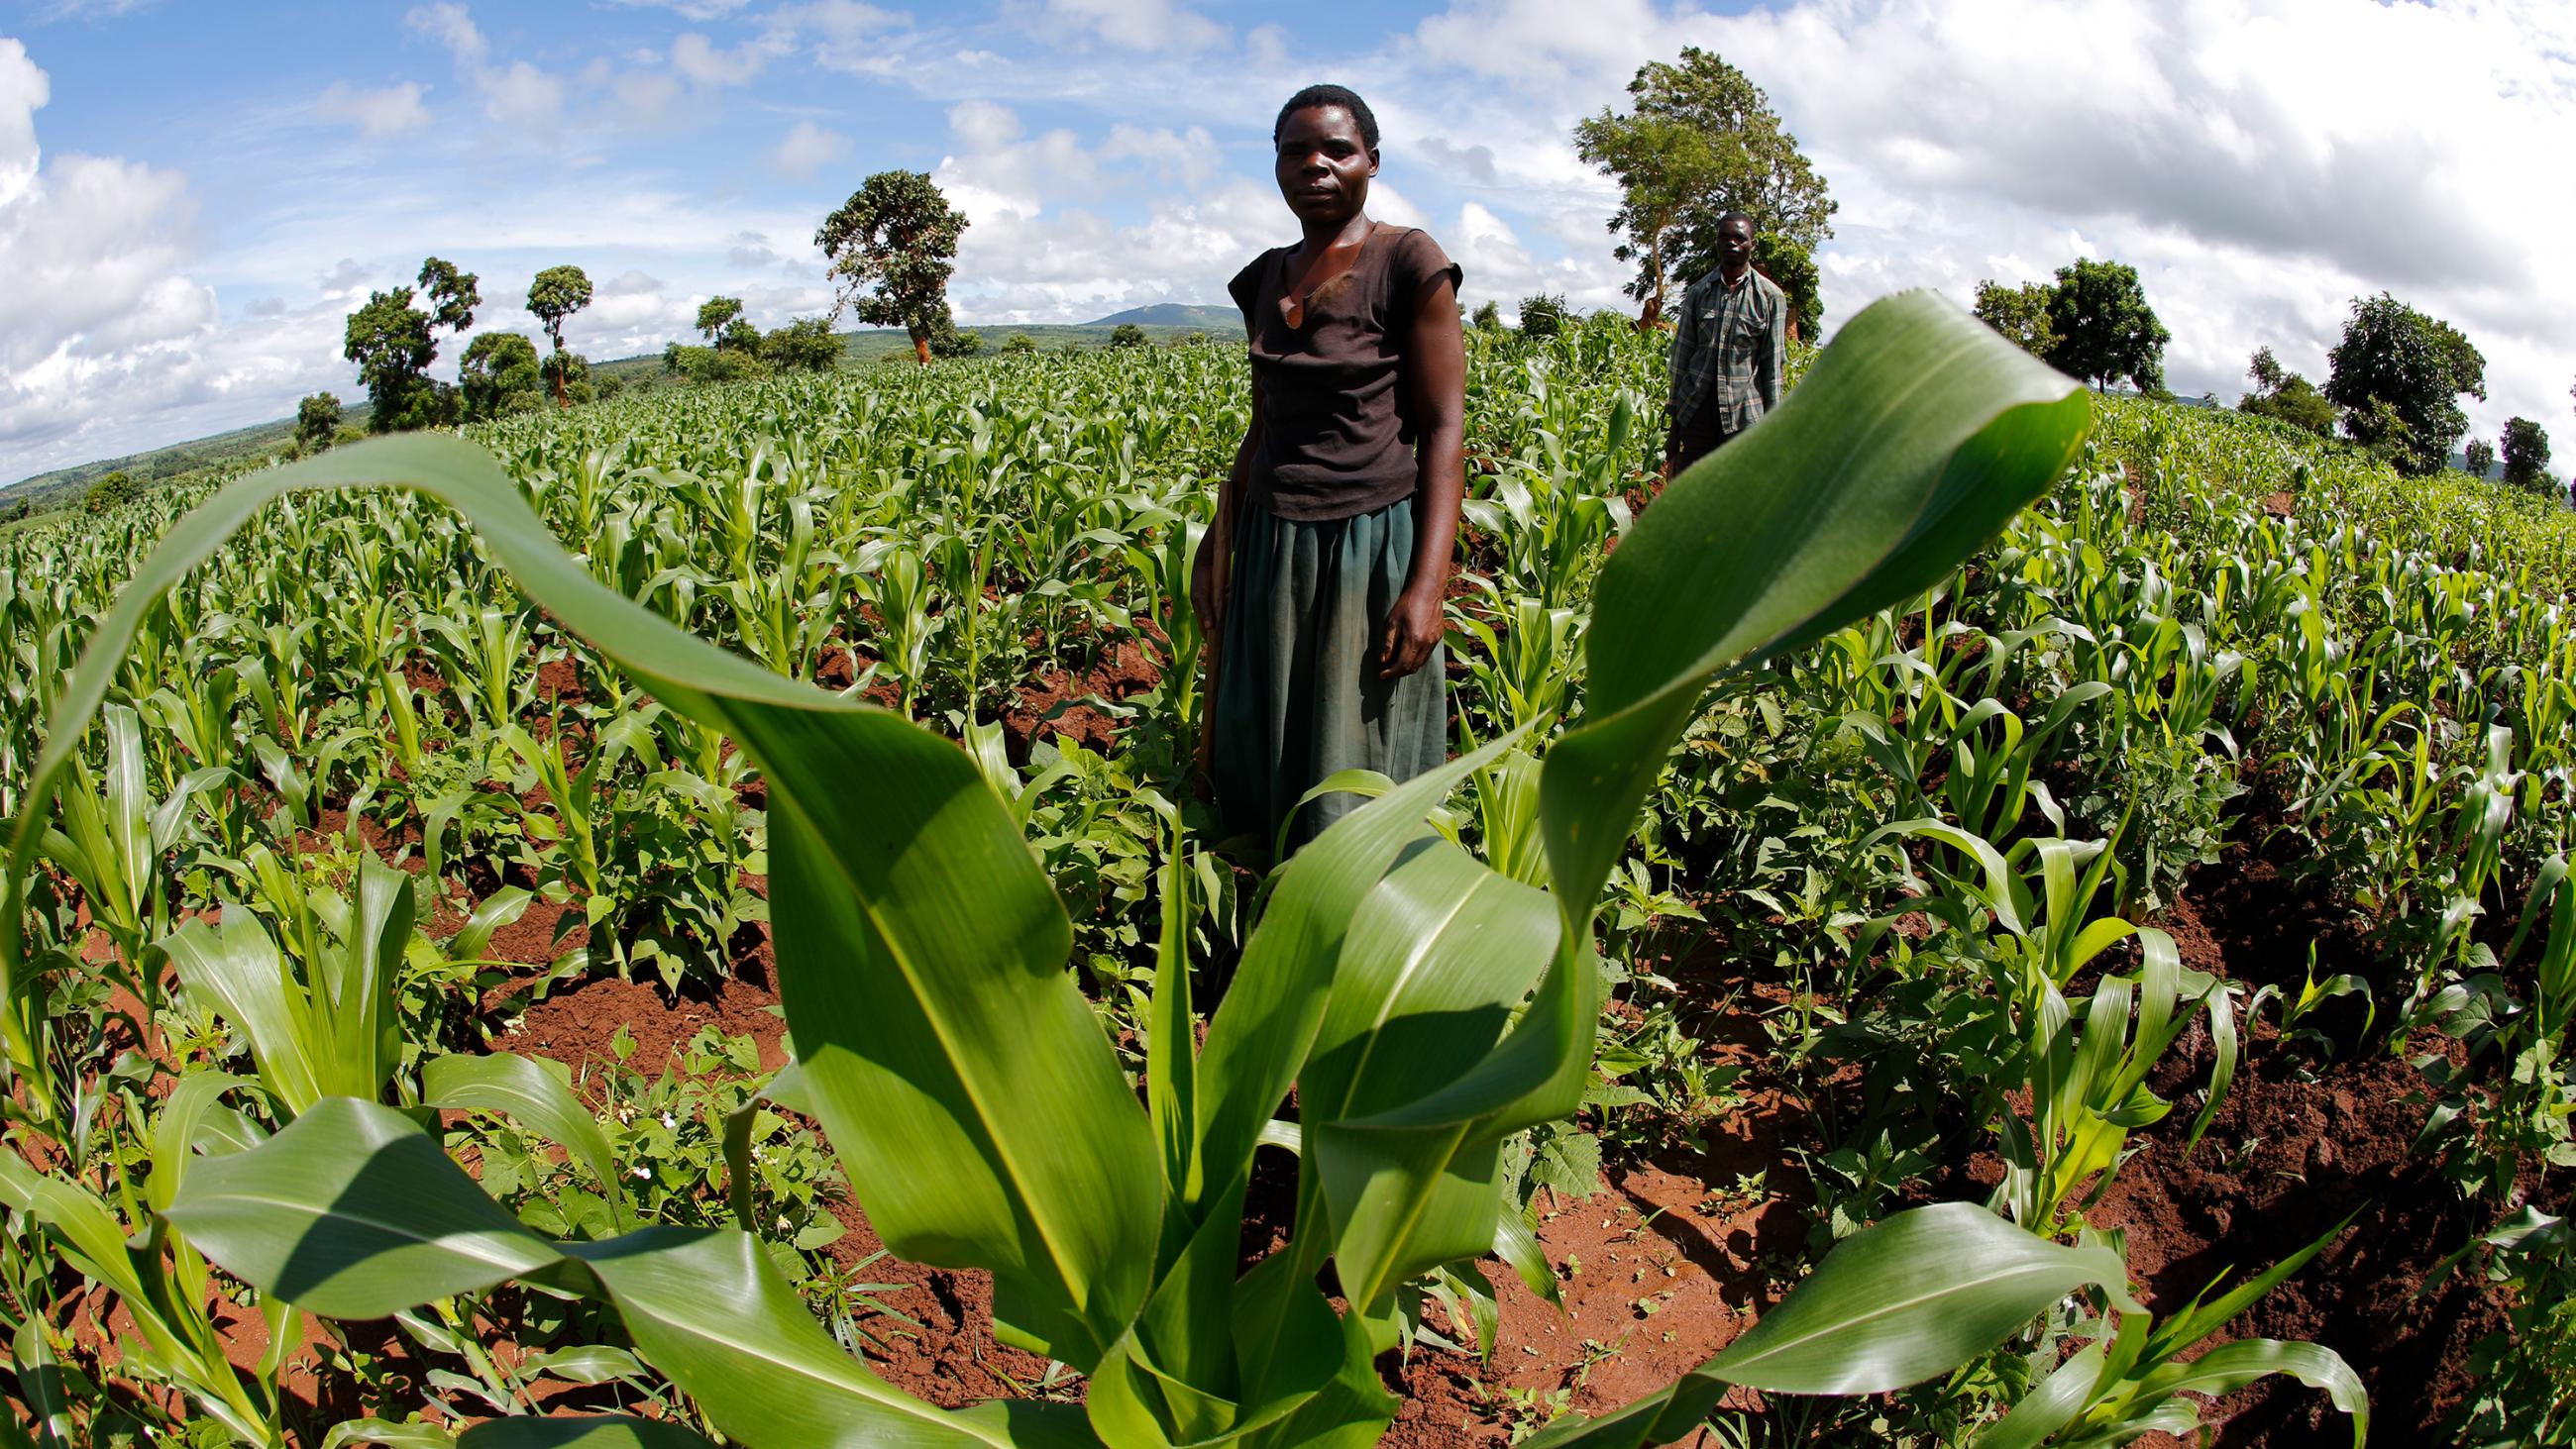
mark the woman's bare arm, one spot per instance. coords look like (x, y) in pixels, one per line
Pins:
(1435, 356)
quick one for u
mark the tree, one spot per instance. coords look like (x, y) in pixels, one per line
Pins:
(1019, 342)
(2478, 459)
(111, 491)
(806, 344)
(2285, 396)
(1542, 315)
(892, 247)
(556, 294)
(715, 314)
(453, 295)
(1488, 318)
(500, 374)
(1127, 334)
(2104, 327)
(1701, 142)
(390, 340)
(317, 422)
(2526, 457)
(568, 373)
(2019, 313)
(1792, 268)
(2397, 365)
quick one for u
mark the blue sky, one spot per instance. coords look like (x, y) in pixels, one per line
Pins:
(193, 194)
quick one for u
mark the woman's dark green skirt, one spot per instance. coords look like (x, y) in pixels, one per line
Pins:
(1298, 693)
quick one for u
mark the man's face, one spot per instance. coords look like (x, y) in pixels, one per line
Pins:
(1735, 245)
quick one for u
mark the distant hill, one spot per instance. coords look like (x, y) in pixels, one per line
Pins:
(1175, 314)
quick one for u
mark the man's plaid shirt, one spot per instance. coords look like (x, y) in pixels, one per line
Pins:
(1730, 351)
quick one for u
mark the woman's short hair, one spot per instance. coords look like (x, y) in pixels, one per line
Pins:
(1317, 97)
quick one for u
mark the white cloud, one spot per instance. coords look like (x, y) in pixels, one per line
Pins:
(698, 10)
(807, 149)
(1140, 24)
(522, 97)
(388, 112)
(708, 67)
(98, 316)
(850, 36)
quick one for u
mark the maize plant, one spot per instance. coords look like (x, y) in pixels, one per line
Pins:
(1421, 1006)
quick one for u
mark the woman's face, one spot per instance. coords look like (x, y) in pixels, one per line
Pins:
(1324, 166)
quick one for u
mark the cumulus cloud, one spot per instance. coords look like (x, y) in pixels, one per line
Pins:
(98, 308)
(850, 36)
(2247, 155)
(1140, 24)
(807, 149)
(387, 112)
(524, 97)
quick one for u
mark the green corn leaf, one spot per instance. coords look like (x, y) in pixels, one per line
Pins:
(1914, 1296)
(2231, 1366)
(1437, 959)
(537, 1095)
(919, 945)
(1917, 434)
(602, 1432)
(352, 1212)
(765, 1370)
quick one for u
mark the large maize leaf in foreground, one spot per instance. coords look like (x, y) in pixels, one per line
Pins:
(976, 1100)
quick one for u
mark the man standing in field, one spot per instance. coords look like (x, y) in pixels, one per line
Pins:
(1728, 354)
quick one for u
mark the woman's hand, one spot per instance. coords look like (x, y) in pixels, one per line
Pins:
(1411, 632)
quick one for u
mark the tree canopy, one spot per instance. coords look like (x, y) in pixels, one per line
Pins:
(2286, 396)
(1701, 141)
(892, 247)
(116, 488)
(2104, 327)
(2479, 458)
(1127, 334)
(556, 294)
(317, 422)
(2526, 457)
(2398, 376)
(806, 344)
(1542, 315)
(499, 375)
(2019, 313)
(393, 343)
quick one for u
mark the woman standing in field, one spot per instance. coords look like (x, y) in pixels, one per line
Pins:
(1321, 579)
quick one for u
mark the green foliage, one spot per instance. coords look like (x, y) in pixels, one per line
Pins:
(452, 295)
(392, 343)
(2478, 458)
(804, 345)
(2286, 397)
(113, 491)
(317, 421)
(2020, 314)
(1488, 318)
(1792, 267)
(2398, 376)
(1543, 316)
(499, 375)
(918, 941)
(1019, 342)
(554, 296)
(2525, 1368)
(1701, 141)
(892, 246)
(716, 317)
(2526, 457)
(2103, 327)
(1127, 334)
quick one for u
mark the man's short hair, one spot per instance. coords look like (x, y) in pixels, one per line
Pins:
(1745, 217)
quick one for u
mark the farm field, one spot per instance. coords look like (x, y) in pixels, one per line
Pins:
(2177, 884)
